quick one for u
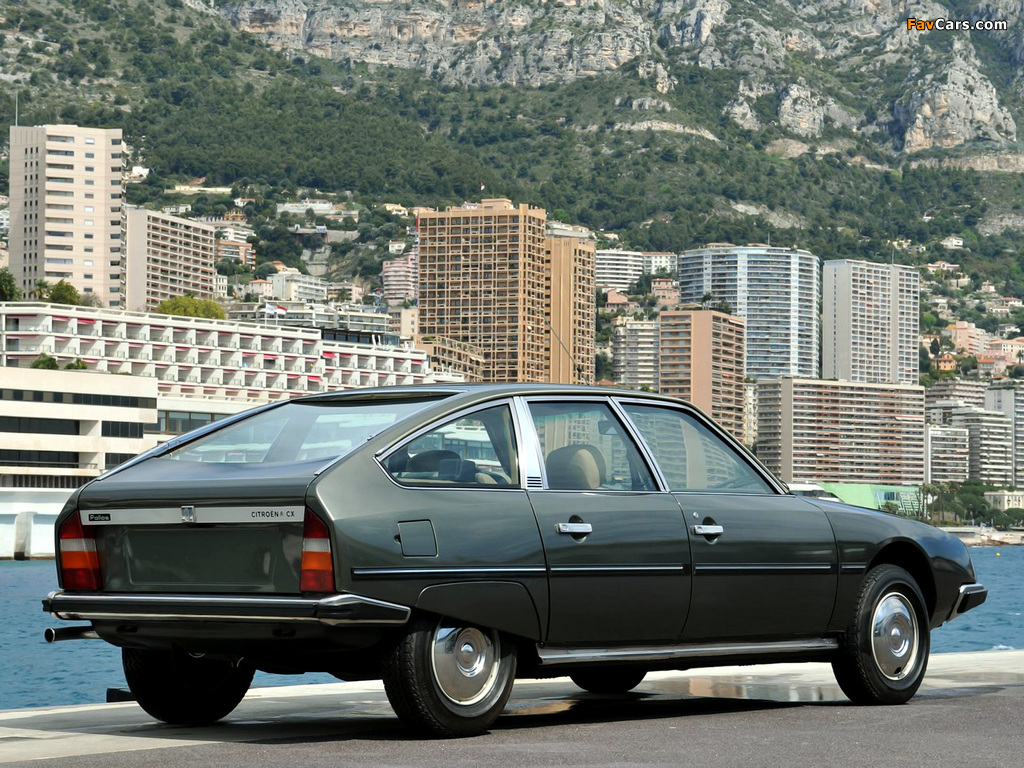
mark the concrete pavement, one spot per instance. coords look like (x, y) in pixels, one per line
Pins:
(970, 711)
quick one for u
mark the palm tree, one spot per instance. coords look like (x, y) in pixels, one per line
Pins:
(706, 299)
(41, 291)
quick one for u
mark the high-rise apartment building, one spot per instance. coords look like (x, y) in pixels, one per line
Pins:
(488, 278)
(166, 256)
(967, 391)
(570, 309)
(700, 356)
(617, 269)
(990, 444)
(399, 278)
(66, 192)
(776, 290)
(946, 451)
(870, 322)
(1008, 399)
(815, 431)
(635, 352)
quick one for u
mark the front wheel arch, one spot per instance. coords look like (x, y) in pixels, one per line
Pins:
(910, 558)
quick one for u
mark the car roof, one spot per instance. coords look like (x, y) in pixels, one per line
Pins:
(470, 392)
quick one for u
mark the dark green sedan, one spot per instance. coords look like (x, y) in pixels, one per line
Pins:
(448, 540)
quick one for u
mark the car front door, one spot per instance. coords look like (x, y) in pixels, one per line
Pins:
(764, 562)
(616, 546)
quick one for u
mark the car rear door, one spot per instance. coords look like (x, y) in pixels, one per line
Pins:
(764, 562)
(615, 543)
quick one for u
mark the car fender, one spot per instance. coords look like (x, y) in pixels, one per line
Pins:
(502, 605)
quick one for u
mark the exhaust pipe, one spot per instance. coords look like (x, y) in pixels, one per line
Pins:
(56, 634)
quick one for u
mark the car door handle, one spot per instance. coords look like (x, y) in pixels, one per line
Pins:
(708, 530)
(574, 529)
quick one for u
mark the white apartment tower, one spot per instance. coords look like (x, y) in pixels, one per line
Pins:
(635, 352)
(946, 454)
(776, 290)
(870, 322)
(1008, 399)
(990, 444)
(617, 269)
(66, 192)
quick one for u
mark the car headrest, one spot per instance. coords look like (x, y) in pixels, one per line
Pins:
(575, 467)
(430, 461)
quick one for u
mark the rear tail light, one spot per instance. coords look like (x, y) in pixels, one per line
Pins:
(317, 563)
(79, 561)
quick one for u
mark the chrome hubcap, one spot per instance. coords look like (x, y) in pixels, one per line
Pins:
(894, 636)
(465, 663)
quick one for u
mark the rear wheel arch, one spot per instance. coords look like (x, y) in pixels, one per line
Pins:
(910, 558)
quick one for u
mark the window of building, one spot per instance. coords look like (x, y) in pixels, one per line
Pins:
(121, 429)
(90, 141)
(38, 426)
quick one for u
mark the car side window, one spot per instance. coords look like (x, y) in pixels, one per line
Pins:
(691, 457)
(585, 447)
(477, 450)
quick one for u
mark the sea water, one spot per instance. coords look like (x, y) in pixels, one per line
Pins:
(35, 674)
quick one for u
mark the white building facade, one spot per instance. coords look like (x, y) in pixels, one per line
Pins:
(870, 322)
(617, 269)
(776, 290)
(635, 351)
(66, 192)
(1008, 399)
(990, 444)
(196, 357)
(946, 452)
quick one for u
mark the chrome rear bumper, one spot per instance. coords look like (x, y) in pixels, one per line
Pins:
(336, 610)
(971, 596)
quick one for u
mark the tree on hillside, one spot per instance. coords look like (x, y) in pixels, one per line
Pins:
(65, 293)
(190, 306)
(9, 290)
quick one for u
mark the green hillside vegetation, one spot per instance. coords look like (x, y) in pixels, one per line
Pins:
(197, 99)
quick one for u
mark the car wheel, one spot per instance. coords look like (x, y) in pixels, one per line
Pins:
(449, 678)
(609, 680)
(183, 689)
(885, 651)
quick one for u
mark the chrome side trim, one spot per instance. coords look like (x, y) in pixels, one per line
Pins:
(370, 573)
(606, 570)
(771, 567)
(555, 656)
(336, 610)
(853, 567)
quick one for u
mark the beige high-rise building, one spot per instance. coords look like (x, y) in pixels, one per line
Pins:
(166, 256)
(870, 322)
(486, 279)
(817, 431)
(66, 193)
(571, 298)
(701, 361)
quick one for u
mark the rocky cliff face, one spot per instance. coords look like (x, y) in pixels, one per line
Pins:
(825, 64)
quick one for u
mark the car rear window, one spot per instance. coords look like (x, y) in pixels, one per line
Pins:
(316, 430)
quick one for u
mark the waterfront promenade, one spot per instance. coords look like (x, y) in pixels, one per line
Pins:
(970, 711)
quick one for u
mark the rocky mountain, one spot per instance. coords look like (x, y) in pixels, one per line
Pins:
(807, 67)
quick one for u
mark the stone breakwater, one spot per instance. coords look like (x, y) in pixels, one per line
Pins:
(983, 536)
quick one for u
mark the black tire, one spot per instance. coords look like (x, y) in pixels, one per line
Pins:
(448, 678)
(885, 666)
(182, 689)
(609, 679)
